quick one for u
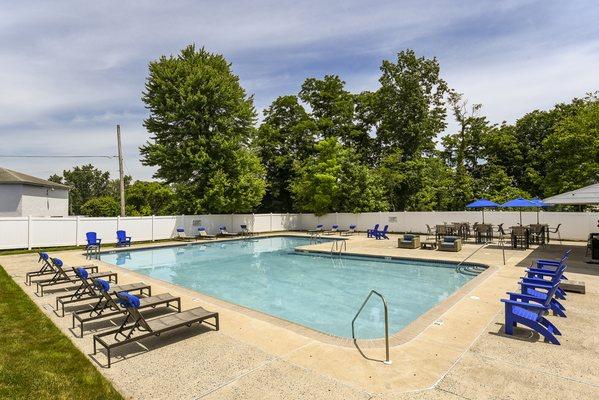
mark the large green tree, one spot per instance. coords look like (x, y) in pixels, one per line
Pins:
(332, 181)
(286, 136)
(572, 151)
(201, 122)
(149, 198)
(86, 182)
(410, 105)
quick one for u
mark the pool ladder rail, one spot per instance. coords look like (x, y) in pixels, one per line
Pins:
(353, 333)
(338, 246)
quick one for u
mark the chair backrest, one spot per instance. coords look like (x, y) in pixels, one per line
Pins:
(45, 259)
(557, 228)
(58, 266)
(376, 227)
(222, 228)
(92, 237)
(121, 236)
(334, 227)
(131, 304)
(319, 226)
(408, 237)
(103, 287)
(385, 229)
(352, 227)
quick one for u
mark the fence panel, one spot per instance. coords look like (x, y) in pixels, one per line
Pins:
(13, 232)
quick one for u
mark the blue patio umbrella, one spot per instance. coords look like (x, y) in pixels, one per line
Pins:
(482, 204)
(520, 203)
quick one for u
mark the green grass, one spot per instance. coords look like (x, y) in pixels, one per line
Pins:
(37, 361)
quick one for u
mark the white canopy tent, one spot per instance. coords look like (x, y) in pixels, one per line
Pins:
(586, 195)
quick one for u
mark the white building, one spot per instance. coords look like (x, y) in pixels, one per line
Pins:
(22, 195)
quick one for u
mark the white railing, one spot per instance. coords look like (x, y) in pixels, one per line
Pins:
(28, 232)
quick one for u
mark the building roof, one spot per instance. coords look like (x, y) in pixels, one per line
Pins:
(586, 195)
(10, 177)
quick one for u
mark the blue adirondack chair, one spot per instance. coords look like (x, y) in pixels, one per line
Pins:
(553, 277)
(540, 288)
(552, 265)
(92, 240)
(370, 232)
(382, 234)
(528, 311)
(122, 239)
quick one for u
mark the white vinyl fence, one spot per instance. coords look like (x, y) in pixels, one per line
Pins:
(28, 232)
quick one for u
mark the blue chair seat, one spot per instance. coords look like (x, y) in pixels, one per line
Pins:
(524, 313)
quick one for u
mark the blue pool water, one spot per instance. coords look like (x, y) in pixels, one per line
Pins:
(316, 291)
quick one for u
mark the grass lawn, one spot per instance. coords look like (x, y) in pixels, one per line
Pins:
(36, 360)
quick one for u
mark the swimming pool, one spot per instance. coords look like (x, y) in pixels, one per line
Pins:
(317, 291)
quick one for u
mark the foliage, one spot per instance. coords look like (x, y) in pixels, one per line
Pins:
(37, 361)
(202, 124)
(149, 198)
(86, 182)
(572, 151)
(410, 105)
(286, 135)
(104, 206)
(333, 180)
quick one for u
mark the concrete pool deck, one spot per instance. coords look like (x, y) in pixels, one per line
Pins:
(460, 352)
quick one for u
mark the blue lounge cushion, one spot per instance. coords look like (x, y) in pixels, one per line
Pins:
(102, 285)
(335, 226)
(58, 262)
(202, 228)
(408, 238)
(44, 256)
(128, 300)
(450, 239)
(81, 272)
(180, 229)
(352, 226)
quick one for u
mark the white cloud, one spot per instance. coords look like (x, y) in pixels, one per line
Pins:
(72, 70)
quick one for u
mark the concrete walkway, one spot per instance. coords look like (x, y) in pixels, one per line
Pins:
(463, 354)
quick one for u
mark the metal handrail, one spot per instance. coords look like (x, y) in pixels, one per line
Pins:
(353, 334)
(338, 246)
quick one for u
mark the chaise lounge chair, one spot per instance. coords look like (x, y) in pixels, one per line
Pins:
(223, 231)
(48, 271)
(62, 277)
(450, 243)
(244, 230)
(350, 231)
(528, 311)
(409, 241)
(122, 239)
(181, 235)
(334, 229)
(86, 290)
(140, 328)
(107, 305)
(202, 234)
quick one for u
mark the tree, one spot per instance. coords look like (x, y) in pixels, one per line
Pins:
(463, 149)
(410, 105)
(572, 151)
(420, 184)
(331, 180)
(285, 137)
(202, 125)
(86, 182)
(104, 206)
(149, 198)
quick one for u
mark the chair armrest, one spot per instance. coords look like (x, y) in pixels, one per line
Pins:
(540, 272)
(521, 296)
(525, 305)
(535, 285)
(98, 241)
(547, 262)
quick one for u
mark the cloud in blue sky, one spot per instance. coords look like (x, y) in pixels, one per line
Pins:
(70, 71)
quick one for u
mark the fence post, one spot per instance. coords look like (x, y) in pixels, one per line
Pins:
(77, 230)
(152, 227)
(29, 233)
(118, 222)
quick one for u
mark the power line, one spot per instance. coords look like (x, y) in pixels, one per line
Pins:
(48, 156)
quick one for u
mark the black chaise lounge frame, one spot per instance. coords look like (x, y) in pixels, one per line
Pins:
(107, 306)
(152, 327)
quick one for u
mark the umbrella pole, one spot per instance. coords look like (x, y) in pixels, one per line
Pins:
(520, 217)
(537, 216)
(483, 215)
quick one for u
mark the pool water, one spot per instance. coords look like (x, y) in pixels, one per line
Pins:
(317, 291)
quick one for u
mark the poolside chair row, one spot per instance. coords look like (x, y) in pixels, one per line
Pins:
(539, 295)
(203, 233)
(334, 230)
(97, 299)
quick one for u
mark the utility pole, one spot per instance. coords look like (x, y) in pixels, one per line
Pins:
(121, 172)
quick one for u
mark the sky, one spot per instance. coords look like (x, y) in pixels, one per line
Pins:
(71, 70)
